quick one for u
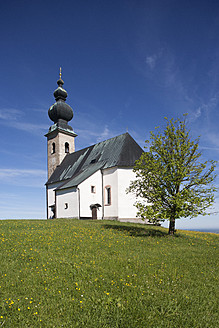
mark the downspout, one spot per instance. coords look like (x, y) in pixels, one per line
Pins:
(55, 216)
(47, 208)
(79, 205)
(102, 195)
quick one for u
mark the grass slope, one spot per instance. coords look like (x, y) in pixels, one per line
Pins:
(70, 273)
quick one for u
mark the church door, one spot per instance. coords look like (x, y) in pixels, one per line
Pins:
(94, 213)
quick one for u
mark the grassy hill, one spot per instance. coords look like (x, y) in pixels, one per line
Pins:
(70, 273)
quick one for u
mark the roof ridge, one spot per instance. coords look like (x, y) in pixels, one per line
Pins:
(103, 141)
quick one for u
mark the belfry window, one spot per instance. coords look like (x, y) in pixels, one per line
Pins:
(53, 148)
(67, 147)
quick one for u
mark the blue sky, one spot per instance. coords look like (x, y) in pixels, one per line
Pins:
(126, 65)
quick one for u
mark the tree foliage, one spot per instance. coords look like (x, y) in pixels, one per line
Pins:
(171, 181)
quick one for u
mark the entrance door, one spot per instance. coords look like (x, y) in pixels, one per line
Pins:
(94, 213)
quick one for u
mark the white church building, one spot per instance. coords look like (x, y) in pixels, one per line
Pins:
(91, 182)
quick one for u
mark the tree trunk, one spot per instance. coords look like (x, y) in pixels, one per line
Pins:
(171, 226)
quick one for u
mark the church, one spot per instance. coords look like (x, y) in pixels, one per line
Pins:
(89, 183)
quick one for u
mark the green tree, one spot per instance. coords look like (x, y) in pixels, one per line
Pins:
(171, 181)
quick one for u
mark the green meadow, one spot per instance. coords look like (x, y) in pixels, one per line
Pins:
(71, 273)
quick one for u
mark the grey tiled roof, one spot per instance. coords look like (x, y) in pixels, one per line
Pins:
(81, 176)
(78, 166)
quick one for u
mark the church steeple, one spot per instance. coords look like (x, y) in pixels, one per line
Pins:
(60, 138)
(60, 112)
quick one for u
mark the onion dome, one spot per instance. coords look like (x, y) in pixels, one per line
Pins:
(60, 112)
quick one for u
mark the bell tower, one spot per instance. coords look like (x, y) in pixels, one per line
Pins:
(60, 137)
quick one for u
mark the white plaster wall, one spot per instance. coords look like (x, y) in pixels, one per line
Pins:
(126, 201)
(51, 197)
(87, 197)
(122, 204)
(110, 178)
(69, 197)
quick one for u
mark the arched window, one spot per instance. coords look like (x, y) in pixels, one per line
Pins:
(53, 147)
(108, 195)
(67, 147)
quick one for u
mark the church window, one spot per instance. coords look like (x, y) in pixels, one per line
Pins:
(53, 148)
(107, 195)
(93, 189)
(66, 206)
(67, 147)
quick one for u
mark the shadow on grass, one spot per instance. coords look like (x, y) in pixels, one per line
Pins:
(138, 231)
